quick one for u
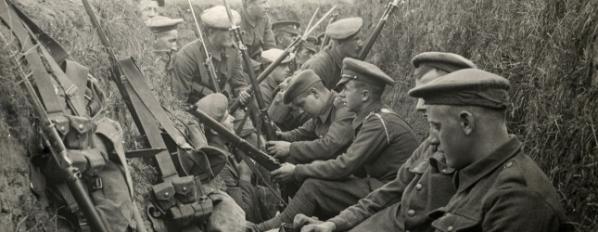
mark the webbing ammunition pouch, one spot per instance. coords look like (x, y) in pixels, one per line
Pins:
(180, 203)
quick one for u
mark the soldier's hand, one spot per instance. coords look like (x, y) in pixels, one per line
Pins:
(301, 220)
(321, 227)
(279, 149)
(244, 97)
(284, 173)
(251, 227)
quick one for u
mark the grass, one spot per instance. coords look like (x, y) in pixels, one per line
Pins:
(548, 49)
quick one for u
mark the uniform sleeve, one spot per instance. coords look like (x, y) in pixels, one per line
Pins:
(238, 77)
(519, 210)
(304, 132)
(321, 66)
(339, 135)
(185, 70)
(382, 197)
(269, 41)
(368, 142)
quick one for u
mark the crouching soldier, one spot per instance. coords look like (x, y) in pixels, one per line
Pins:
(382, 143)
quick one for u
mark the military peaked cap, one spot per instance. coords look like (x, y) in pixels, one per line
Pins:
(159, 24)
(354, 69)
(290, 27)
(467, 87)
(444, 61)
(344, 28)
(216, 17)
(300, 83)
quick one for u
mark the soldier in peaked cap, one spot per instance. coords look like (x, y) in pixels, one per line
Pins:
(325, 135)
(285, 32)
(346, 42)
(423, 183)
(498, 187)
(165, 32)
(256, 27)
(383, 141)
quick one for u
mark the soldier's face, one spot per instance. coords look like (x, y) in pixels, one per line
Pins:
(309, 103)
(448, 135)
(352, 46)
(280, 73)
(167, 41)
(222, 38)
(149, 9)
(258, 8)
(352, 96)
(303, 56)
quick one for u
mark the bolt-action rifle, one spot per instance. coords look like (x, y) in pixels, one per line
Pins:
(208, 63)
(297, 42)
(374, 36)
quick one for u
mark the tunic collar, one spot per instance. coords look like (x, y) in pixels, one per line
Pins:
(367, 111)
(325, 114)
(471, 174)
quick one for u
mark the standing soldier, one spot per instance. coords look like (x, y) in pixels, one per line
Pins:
(328, 131)
(165, 41)
(499, 187)
(383, 141)
(423, 183)
(256, 27)
(346, 42)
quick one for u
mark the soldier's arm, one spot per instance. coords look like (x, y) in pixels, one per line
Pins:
(368, 142)
(518, 209)
(269, 41)
(304, 132)
(339, 135)
(382, 197)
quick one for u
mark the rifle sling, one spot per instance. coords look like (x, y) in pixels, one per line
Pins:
(149, 112)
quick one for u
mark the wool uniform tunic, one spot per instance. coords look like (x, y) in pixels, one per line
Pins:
(383, 142)
(423, 184)
(323, 137)
(505, 191)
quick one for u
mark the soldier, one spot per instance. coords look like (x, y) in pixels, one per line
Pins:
(271, 85)
(165, 32)
(499, 188)
(148, 9)
(383, 141)
(346, 42)
(423, 183)
(328, 131)
(192, 78)
(285, 32)
(306, 51)
(256, 27)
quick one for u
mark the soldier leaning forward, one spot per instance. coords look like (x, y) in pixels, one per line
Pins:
(383, 142)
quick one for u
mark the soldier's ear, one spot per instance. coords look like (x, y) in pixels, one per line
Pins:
(467, 122)
(365, 95)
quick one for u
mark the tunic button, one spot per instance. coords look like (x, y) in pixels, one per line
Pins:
(410, 212)
(509, 164)
(418, 186)
(450, 228)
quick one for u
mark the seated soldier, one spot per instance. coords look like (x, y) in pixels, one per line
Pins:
(423, 183)
(236, 175)
(499, 187)
(383, 141)
(325, 135)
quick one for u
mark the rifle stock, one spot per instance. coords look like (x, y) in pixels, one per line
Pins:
(374, 36)
(254, 153)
